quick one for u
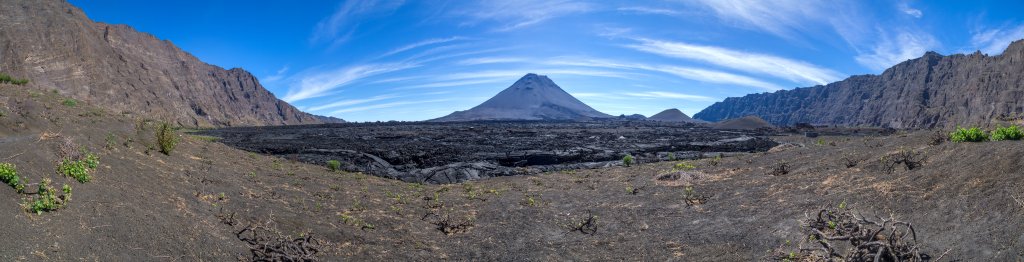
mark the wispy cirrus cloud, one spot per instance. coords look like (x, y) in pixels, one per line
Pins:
(515, 14)
(893, 50)
(994, 41)
(427, 42)
(319, 83)
(671, 95)
(389, 105)
(755, 63)
(906, 9)
(349, 102)
(491, 60)
(702, 75)
(649, 10)
(280, 74)
(341, 25)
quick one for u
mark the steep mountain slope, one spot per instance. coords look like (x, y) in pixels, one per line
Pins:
(55, 45)
(533, 97)
(931, 91)
(671, 115)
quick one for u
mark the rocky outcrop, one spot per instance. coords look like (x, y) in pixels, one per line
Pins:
(931, 91)
(533, 97)
(58, 47)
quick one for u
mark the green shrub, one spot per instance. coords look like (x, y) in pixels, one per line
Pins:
(70, 102)
(6, 79)
(333, 165)
(627, 160)
(1007, 133)
(77, 169)
(973, 134)
(91, 160)
(166, 138)
(9, 175)
(48, 200)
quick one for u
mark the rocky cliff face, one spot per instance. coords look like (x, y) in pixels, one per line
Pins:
(931, 91)
(55, 45)
(533, 97)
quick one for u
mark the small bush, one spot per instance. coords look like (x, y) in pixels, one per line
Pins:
(7, 79)
(9, 175)
(48, 200)
(77, 169)
(166, 138)
(1007, 133)
(684, 166)
(973, 134)
(70, 102)
(627, 160)
(333, 165)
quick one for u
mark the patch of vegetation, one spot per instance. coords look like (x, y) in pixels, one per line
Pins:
(1007, 133)
(635, 190)
(586, 225)
(7, 79)
(779, 169)
(9, 175)
(908, 158)
(356, 222)
(78, 166)
(166, 138)
(627, 160)
(48, 200)
(973, 134)
(70, 102)
(75, 169)
(333, 165)
(683, 166)
(838, 234)
(111, 140)
(671, 156)
(532, 200)
(692, 198)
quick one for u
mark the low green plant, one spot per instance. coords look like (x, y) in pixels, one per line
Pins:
(77, 169)
(48, 200)
(333, 165)
(684, 166)
(627, 160)
(1007, 133)
(70, 102)
(973, 134)
(671, 156)
(91, 160)
(7, 79)
(166, 138)
(9, 175)
(111, 140)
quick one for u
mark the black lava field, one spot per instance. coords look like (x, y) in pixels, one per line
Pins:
(454, 152)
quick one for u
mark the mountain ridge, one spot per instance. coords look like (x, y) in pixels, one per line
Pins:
(55, 45)
(933, 91)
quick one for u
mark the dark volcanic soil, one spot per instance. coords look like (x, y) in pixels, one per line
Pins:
(967, 199)
(456, 152)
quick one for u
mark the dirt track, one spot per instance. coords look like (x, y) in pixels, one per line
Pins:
(146, 207)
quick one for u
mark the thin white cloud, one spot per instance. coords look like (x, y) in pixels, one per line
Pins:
(672, 95)
(702, 75)
(516, 14)
(319, 83)
(906, 9)
(786, 18)
(490, 60)
(649, 10)
(340, 26)
(994, 41)
(449, 84)
(389, 105)
(280, 74)
(893, 50)
(755, 63)
(350, 102)
(419, 44)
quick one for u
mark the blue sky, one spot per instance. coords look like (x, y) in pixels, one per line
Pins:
(366, 60)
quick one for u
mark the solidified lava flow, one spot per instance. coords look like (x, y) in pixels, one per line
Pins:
(455, 152)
